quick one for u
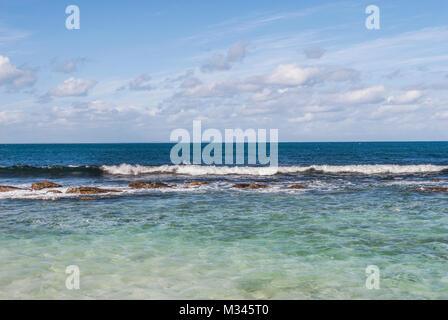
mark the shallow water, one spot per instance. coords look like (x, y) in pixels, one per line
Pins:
(215, 241)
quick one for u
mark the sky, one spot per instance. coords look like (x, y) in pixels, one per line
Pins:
(137, 70)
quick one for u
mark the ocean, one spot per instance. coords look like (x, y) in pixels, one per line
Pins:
(362, 204)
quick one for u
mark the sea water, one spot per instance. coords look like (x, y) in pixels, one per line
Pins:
(363, 204)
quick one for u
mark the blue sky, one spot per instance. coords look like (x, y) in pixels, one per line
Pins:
(137, 70)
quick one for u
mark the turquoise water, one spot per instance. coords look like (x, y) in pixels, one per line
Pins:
(368, 206)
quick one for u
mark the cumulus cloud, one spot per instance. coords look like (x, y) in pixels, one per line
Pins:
(340, 74)
(8, 117)
(263, 95)
(291, 75)
(101, 110)
(305, 118)
(187, 80)
(441, 115)
(286, 90)
(410, 96)
(237, 52)
(100, 106)
(295, 75)
(397, 109)
(315, 52)
(72, 87)
(287, 93)
(220, 62)
(68, 66)
(140, 83)
(224, 88)
(216, 63)
(15, 77)
(372, 94)
(190, 83)
(278, 81)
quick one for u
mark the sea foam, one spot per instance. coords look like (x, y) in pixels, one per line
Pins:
(197, 170)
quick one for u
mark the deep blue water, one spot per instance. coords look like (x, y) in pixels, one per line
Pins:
(331, 153)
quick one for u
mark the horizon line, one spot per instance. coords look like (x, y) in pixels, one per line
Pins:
(161, 142)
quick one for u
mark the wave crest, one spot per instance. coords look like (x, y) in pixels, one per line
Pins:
(197, 170)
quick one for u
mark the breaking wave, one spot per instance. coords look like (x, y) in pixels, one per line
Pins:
(197, 170)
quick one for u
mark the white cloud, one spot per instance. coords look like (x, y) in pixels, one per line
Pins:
(69, 65)
(407, 97)
(224, 88)
(283, 85)
(291, 75)
(72, 87)
(186, 80)
(340, 74)
(441, 115)
(305, 118)
(237, 52)
(100, 106)
(372, 94)
(7, 117)
(399, 109)
(263, 95)
(102, 110)
(190, 83)
(140, 83)
(219, 62)
(15, 77)
(216, 63)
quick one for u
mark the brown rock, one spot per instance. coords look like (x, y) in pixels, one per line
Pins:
(157, 184)
(89, 190)
(8, 188)
(54, 191)
(250, 186)
(44, 185)
(197, 183)
(148, 185)
(435, 180)
(435, 189)
(297, 186)
(140, 184)
(258, 186)
(241, 185)
(87, 198)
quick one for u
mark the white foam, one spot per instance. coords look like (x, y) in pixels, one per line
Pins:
(197, 170)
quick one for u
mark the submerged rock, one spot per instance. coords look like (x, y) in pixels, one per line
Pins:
(44, 185)
(197, 183)
(54, 191)
(241, 185)
(89, 190)
(149, 185)
(297, 186)
(8, 188)
(435, 189)
(157, 184)
(250, 186)
(140, 184)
